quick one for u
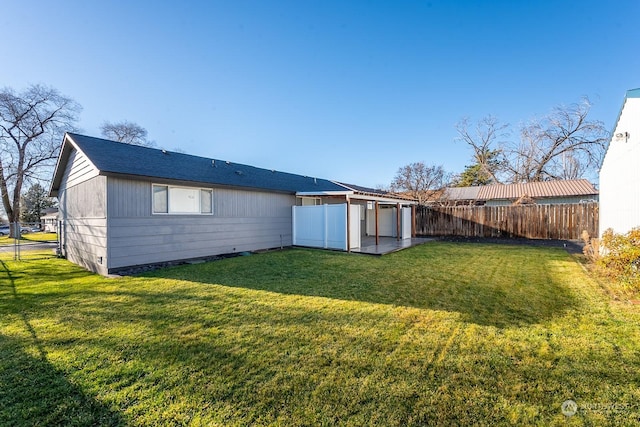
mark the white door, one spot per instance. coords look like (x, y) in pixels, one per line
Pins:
(386, 222)
(354, 226)
(406, 223)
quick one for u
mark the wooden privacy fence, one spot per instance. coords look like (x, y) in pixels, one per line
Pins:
(566, 221)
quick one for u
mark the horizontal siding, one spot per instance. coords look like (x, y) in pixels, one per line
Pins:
(241, 221)
(85, 242)
(78, 170)
(84, 227)
(164, 240)
(85, 200)
(170, 225)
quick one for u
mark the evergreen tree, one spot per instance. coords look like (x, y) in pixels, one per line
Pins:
(35, 201)
(479, 174)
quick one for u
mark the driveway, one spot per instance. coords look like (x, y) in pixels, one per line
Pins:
(30, 246)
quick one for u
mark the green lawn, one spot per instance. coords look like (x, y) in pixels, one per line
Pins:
(33, 237)
(441, 334)
(41, 236)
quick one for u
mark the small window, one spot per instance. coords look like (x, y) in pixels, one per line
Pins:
(160, 199)
(311, 201)
(206, 201)
(182, 200)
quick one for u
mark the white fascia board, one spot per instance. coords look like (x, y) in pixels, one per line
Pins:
(68, 144)
(323, 193)
(383, 199)
(352, 195)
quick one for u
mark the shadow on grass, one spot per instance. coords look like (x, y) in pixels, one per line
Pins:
(488, 285)
(34, 392)
(239, 357)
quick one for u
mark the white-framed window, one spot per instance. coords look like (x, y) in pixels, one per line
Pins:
(168, 199)
(311, 201)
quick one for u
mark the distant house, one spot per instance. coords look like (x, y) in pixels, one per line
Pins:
(620, 171)
(49, 221)
(123, 205)
(543, 193)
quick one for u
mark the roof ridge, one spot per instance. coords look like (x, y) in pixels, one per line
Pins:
(156, 164)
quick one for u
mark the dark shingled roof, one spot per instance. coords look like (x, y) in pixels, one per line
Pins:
(365, 190)
(124, 159)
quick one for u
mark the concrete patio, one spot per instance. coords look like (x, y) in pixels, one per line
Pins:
(387, 245)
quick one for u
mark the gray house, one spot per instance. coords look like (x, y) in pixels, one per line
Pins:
(123, 205)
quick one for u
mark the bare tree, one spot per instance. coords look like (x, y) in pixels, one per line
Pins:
(420, 181)
(127, 132)
(486, 139)
(32, 124)
(561, 145)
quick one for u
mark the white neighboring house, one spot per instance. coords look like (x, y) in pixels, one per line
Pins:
(620, 171)
(49, 221)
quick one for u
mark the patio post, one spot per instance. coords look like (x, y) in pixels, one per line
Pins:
(413, 220)
(348, 224)
(377, 224)
(398, 212)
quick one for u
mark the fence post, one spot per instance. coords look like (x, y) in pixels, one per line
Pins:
(562, 221)
(16, 240)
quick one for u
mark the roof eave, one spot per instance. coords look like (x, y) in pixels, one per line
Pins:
(63, 157)
(631, 93)
(323, 193)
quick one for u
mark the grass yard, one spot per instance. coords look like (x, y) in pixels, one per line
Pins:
(30, 237)
(40, 236)
(440, 334)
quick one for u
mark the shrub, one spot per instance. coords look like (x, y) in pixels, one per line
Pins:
(621, 256)
(591, 247)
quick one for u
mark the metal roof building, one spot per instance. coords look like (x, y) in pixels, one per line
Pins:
(544, 192)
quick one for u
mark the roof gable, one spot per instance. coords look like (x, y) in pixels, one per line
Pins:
(115, 158)
(630, 94)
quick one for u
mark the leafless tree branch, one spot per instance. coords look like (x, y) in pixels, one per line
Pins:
(31, 127)
(127, 132)
(420, 181)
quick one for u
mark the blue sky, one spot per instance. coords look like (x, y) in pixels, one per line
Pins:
(345, 90)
